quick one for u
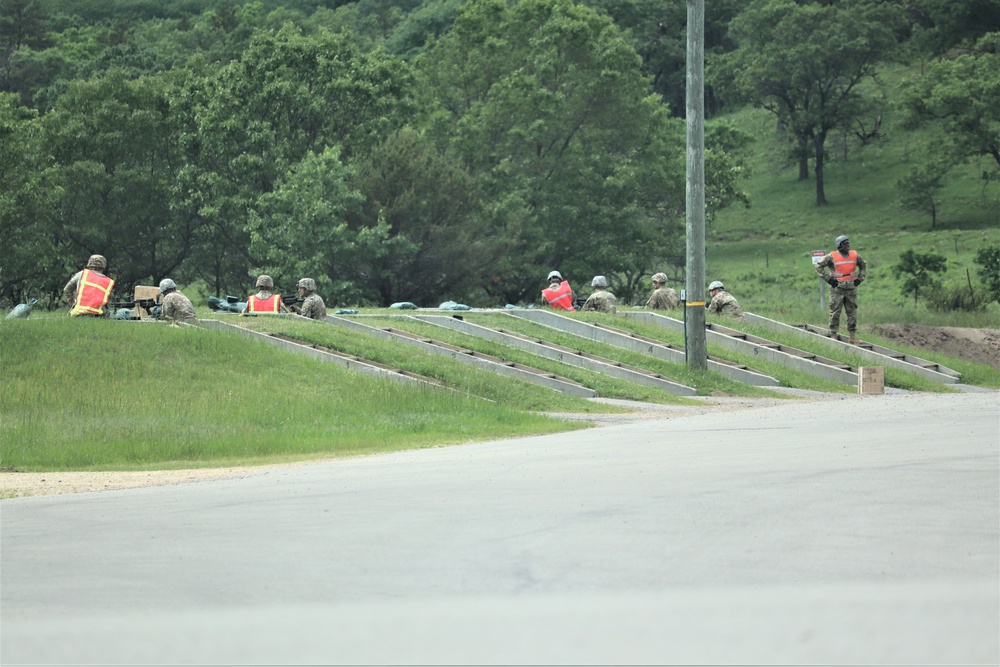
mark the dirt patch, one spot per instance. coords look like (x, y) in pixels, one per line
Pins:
(981, 346)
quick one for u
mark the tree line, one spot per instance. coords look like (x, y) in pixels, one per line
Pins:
(425, 151)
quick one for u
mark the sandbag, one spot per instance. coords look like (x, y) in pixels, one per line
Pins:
(21, 310)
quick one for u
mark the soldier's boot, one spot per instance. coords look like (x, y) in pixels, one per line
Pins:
(833, 334)
(853, 340)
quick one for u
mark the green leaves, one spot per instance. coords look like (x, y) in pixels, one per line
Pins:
(917, 271)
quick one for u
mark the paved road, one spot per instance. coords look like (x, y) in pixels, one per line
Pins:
(853, 530)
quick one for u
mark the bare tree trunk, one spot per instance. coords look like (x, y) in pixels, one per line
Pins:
(818, 143)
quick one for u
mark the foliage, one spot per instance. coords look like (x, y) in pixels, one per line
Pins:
(988, 260)
(917, 271)
(921, 188)
(949, 298)
(958, 96)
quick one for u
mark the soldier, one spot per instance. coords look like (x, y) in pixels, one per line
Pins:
(723, 303)
(174, 306)
(847, 271)
(601, 300)
(559, 294)
(265, 301)
(312, 304)
(89, 290)
(662, 298)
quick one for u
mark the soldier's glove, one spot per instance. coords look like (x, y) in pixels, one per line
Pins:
(857, 282)
(832, 282)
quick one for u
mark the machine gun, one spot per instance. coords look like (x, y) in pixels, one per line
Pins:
(125, 310)
(291, 300)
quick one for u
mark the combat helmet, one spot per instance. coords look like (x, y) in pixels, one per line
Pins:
(660, 278)
(599, 281)
(554, 274)
(308, 284)
(840, 239)
(717, 284)
(97, 263)
(265, 281)
(167, 286)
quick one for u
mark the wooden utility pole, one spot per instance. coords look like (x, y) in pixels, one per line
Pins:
(694, 316)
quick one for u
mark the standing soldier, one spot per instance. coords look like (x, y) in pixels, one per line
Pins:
(601, 300)
(265, 301)
(312, 303)
(723, 303)
(89, 290)
(847, 271)
(663, 297)
(559, 294)
(174, 306)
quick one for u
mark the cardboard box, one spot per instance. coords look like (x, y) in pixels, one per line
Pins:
(871, 380)
(145, 292)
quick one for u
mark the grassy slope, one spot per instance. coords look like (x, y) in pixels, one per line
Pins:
(153, 396)
(763, 253)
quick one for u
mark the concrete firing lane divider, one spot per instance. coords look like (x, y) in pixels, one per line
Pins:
(559, 353)
(732, 339)
(471, 357)
(626, 340)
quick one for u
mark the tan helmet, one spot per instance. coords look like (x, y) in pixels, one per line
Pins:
(308, 284)
(265, 281)
(660, 278)
(97, 262)
(716, 285)
(555, 275)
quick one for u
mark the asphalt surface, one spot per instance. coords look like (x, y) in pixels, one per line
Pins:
(862, 529)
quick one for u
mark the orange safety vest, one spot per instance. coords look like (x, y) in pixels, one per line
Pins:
(92, 294)
(844, 267)
(269, 305)
(560, 298)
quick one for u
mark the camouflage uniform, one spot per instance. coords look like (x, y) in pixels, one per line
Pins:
(602, 301)
(313, 307)
(69, 291)
(844, 296)
(175, 307)
(663, 298)
(726, 304)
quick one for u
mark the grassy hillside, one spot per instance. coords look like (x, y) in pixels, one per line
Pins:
(87, 394)
(763, 253)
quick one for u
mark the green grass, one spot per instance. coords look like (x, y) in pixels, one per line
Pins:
(103, 395)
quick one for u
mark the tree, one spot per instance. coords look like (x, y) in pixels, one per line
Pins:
(805, 63)
(988, 259)
(31, 265)
(427, 199)
(114, 161)
(287, 97)
(921, 188)
(917, 271)
(959, 97)
(544, 101)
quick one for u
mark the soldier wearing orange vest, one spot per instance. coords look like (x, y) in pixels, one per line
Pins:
(89, 290)
(559, 294)
(265, 301)
(847, 271)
